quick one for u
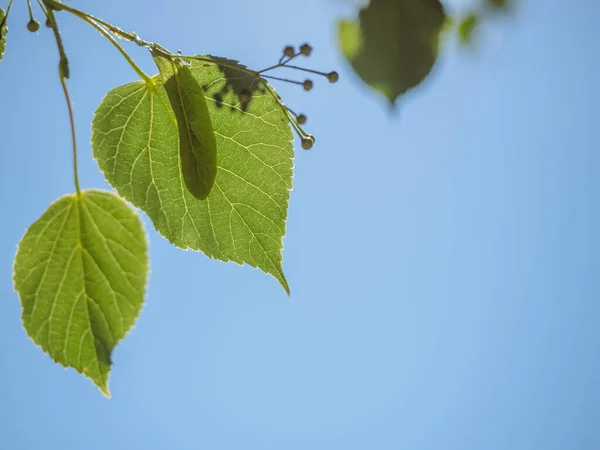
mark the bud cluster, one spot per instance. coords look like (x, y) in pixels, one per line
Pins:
(297, 120)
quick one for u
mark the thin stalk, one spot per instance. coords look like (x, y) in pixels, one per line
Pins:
(303, 69)
(73, 135)
(63, 67)
(113, 29)
(63, 75)
(30, 11)
(281, 63)
(98, 25)
(118, 46)
(43, 8)
(299, 131)
(285, 80)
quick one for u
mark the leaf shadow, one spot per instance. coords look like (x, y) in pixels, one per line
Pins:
(237, 80)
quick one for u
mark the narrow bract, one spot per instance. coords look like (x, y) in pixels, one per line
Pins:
(197, 143)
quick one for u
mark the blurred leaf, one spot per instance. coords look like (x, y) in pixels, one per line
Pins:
(466, 28)
(482, 11)
(81, 272)
(394, 43)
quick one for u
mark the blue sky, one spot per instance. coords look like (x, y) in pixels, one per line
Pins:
(443, 261)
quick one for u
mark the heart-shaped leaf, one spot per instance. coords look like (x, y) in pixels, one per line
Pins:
(135, 140)
(81, 271)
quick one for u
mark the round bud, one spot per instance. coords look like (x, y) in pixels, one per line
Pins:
(245, 96)
(48, 23)
(33, 26)
(305, 49)
(289, 51)
(307, 85)
(308, 142)
(302, 119)
(333, 77)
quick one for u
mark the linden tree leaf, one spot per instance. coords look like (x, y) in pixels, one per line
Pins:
(135, 141)
(3, 31)
(81, 271)
(197, 144)
(394, 43)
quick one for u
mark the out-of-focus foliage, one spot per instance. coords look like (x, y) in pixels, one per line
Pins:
(478, 14)
(394, 44)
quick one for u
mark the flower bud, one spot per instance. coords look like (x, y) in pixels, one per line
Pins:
(308, 141)
(307, 85)
(33, 26)
(289, 51)
(333, 77)
(306, 49)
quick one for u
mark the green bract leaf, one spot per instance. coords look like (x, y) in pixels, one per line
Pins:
(394, 44)
(81, 273)
(3, 31)
(135, 141)
(197, 144)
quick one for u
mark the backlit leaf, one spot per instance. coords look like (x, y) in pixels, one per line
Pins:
(135, 141)
(81, 272)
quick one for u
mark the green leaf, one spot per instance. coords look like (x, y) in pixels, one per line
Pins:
(466, 27)
(135, 141)
(394, 43)
(3, 31)
(81, 271)
(197, 144)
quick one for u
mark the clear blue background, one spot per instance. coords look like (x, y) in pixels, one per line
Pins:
(443, 261)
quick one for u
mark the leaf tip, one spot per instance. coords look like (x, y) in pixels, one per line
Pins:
(103, 386)
(284, 284)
